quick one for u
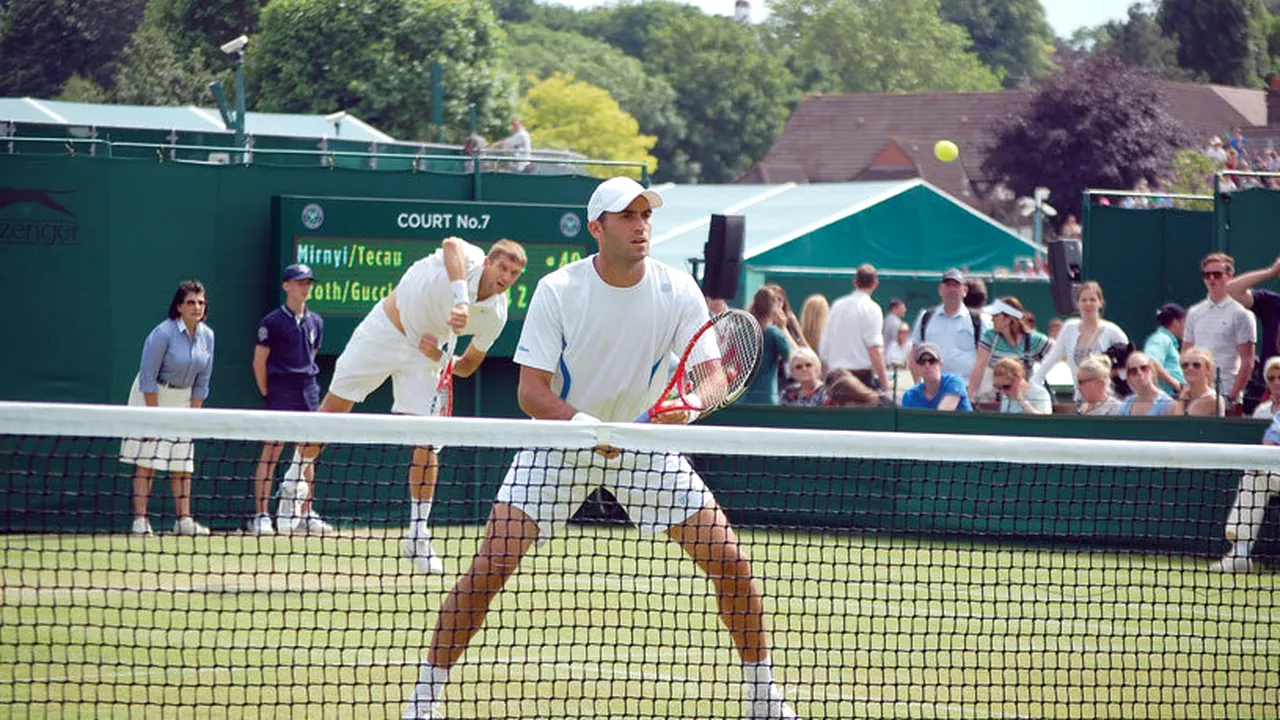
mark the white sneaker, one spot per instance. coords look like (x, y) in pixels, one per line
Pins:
(770, 710)
(141, 526)
(188, 526)
(262, 525)
(312, 524)
(1232, 564)
(291, 494)
(418, 549)
(422, 710)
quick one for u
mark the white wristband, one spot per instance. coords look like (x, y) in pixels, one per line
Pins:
(584, 417)
(459, 288)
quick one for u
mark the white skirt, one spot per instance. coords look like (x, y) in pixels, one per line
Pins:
(171, 454)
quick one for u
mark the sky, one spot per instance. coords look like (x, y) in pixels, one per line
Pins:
(1065, 16)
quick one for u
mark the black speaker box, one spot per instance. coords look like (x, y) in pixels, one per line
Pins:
(723, 255)
(1064, 273)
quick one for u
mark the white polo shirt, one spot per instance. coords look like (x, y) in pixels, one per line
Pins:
(425, 300)
(611, 349)
(954, 336)
(1220, 328)
(855, 325)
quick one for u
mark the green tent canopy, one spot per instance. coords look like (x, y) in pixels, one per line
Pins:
(900, 225)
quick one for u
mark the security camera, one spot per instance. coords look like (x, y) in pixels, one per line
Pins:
(337, 117)
(234, 46)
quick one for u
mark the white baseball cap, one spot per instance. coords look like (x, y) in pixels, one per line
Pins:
(615, 194)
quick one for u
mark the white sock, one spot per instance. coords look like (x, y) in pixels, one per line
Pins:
(297, 466)
(1241, 548)
(759, 680)
(421, 511)
(430, 687)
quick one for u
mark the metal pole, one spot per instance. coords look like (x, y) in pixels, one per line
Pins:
(240, 103)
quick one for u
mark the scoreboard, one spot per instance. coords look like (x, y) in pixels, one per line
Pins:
(359, 248)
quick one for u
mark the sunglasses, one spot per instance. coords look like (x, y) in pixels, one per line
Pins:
(800, 365)
(1004, 388)
(927, 361)
(1188, 365)
(1213, 274)
(1081, 381)
(1139, 368)
(1272, 378)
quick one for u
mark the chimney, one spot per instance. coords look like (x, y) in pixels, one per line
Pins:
(742, 11)
(1273, 100)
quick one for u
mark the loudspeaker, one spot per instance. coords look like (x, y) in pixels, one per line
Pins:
(723, 255)
(1064, 273)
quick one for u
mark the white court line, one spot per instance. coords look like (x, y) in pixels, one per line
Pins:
(585, 668)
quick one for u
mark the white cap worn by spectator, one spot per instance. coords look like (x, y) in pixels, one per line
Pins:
(615, 194)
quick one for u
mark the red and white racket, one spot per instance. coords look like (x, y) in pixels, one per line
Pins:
(442, 403)
(716, 367)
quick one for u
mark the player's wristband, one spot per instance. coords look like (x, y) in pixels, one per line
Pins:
(584, 417)
(459, 288)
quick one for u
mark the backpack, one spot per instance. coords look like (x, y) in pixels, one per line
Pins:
(975, 317)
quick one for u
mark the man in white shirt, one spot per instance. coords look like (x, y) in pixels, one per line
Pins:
(1224, 327)
(955, 328)
(519, 144)
(573, 367)
(457, 288)
(897, 310)
(854, 336)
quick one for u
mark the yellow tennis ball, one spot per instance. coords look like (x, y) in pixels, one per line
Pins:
(945, 150)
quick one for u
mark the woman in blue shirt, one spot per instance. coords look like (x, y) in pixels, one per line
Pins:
(177, 360)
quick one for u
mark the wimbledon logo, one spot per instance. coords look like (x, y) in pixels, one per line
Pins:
(312, 216)
(570, 225)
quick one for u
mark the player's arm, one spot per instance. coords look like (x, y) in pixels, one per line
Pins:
(537, 399)
(260, 354)
(455, 266)
(1245, 349)
(470, 361)
(1240, 286)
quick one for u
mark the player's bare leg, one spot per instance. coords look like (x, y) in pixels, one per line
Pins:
(424, 469)
(262, 477)
(142, 477)
(708, 538)
(180, 483)
(294, 513)
(508, 535)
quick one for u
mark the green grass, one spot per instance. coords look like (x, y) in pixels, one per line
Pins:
(601, 623)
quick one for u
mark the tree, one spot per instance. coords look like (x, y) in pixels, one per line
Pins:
(877, 46)
(1102, 125)
(154, 72)
(627, 26)
(1139, 42)
(373, 58)
(204, 25)
(80, 89)
(1222, 40)
(537, 53)
(734, 97)
(44, 42)
(1192, 174)
(561, 112)
(1009, 36)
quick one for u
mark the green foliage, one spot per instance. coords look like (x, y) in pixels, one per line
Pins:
(204, 25)
(1223, 41)
(1140, 42)
(561, 112)
(877, 46)
(734, 97)
(1193, 173)
(154, 72)
(1100, 125)
(537, 53)
(44, 42)
(627, 26)
(373, 58)
(1011, 36)
(80, 89)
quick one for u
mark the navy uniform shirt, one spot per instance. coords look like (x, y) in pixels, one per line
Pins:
(293, 340)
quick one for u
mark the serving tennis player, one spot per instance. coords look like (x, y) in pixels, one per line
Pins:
(597, 345)
(456, 288)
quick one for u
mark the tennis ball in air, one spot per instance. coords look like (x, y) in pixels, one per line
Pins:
(945, 150)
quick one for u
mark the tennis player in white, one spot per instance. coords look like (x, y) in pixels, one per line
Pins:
(457, 287)
(597, 344)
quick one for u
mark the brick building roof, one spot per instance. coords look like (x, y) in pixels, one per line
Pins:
(881, 136)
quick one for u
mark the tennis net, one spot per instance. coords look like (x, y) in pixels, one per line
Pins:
(903, 576)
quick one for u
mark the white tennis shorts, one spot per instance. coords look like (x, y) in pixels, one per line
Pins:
(165, 454)
(376, 351)
(657, 490)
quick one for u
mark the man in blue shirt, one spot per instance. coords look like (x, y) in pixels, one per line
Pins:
(284, 366)
(936, 390)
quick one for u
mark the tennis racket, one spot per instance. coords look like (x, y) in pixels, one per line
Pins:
(442, 403)
(718, 364)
